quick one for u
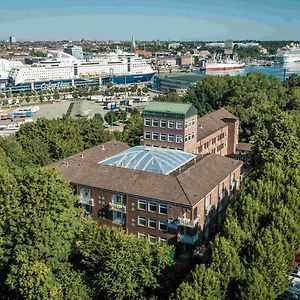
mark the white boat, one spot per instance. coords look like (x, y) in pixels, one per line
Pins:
(288, 54)
(6, 66)
(222, 66)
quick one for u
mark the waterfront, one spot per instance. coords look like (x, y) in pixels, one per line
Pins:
(280, 71)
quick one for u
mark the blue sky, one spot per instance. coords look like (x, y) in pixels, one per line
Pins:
(152, 19)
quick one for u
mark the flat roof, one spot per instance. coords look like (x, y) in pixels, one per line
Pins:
(185, 109)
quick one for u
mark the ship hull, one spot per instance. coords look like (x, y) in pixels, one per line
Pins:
(52, 85)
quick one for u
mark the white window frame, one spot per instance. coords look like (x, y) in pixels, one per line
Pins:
(154, 120)
(145, 122)
(171, 122)
(164, 121)
(166, 137)
(143, 225)
(149, 220)
(142, 201)
(142, 235)
(179, 125)
(163, 222)
(179, 139)
(155, 133)
(147, 138)
(153, 203)
(173, 138)
(165, 206)
(151, 240)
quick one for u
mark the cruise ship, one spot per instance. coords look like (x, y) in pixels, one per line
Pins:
(5, 67)
(288, 54)
(61, 70)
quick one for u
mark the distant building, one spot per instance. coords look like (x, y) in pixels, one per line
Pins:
(75, 51)
(186, 60)
(174, 45)
(228, 44)
(158, 194)
(174, 82)
(12, 40)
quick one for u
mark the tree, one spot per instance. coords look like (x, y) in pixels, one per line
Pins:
(39, 224)
(205, 285)
(118, 265)
(110, 117)
(133, 130)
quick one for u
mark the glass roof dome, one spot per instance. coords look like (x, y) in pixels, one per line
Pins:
(150, 159)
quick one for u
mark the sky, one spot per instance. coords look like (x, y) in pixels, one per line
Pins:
(206, 20)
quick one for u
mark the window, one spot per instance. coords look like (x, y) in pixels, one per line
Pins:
(179, 148)
(179, 125)
(155, 135)
(142, 235)
(147, 135)
(118, 199)
(155, 123)
(185, 138)
(179, 138)
(163, 225)
(193, 135)
(193, 122)
(147, 122)
(142, 204)
(152, 238)
(190, 136)
(152, 206)
(142, 221)
(171, 124)
(163, 137)
(85, 192)
(171, 138)
(152, 223)
(207, 201)
(163, 123)
(163, 209)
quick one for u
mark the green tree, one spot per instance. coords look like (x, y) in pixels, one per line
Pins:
(120, 266)
(110, 117)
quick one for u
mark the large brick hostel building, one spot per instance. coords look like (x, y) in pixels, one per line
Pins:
(158, 193)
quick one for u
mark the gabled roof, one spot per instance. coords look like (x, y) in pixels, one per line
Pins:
(212, 122)
(171, 108)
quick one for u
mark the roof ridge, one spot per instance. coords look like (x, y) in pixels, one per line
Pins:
(183, 191)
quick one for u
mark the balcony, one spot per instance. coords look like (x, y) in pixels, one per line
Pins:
(232, 185)
(208, 208)
(187, 222)
(117, 207)
(186, 239)
(222, 195)
(118, 221)
(86, 201)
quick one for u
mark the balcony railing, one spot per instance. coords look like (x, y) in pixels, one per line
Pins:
(187, 222)
(232, 185)
(86, 201)
(222, 195)
(117, 207)
(119, 221)
(186, 239)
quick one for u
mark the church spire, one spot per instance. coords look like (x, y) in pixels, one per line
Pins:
(133, 46)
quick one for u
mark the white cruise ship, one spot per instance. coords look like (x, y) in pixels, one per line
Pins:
(288, 54)
(61, 70)
(5, 67)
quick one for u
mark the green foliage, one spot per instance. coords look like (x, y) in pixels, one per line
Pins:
(39, 224)
(110, 117)
(120, 266)
(133, 130)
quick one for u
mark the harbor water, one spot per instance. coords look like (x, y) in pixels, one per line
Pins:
(280, 71)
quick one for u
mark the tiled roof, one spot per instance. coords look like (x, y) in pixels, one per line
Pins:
(186, 188)
(212, 122)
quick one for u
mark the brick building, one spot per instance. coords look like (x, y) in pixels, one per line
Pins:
(151, 192)
(177, 126)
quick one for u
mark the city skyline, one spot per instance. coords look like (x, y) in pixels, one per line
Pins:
(150, 20)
